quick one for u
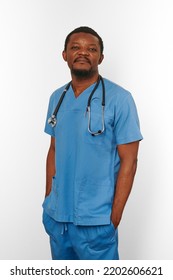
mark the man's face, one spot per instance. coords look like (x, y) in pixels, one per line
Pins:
(83, 54)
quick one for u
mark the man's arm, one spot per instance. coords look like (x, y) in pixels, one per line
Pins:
(128, 164)
(50, 166)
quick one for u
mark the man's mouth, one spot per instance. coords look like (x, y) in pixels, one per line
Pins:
(82, 60)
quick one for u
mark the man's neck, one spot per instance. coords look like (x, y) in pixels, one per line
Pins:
(80, 84)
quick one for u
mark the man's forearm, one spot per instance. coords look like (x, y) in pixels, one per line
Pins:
(50, 169)
(123, 188)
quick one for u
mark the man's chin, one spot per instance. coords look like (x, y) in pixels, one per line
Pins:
(81, 73)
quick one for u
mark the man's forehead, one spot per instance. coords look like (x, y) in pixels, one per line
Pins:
(84, 36)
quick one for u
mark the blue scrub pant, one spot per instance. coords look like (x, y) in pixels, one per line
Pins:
(71, 242)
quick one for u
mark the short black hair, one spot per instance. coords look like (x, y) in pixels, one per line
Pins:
(84, 29)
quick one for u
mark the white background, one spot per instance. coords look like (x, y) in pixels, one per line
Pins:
(138, 41)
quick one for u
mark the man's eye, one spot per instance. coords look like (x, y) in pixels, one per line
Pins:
(74, 47)
(92, 49)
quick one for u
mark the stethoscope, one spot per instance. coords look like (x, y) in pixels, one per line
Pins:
(52, 120)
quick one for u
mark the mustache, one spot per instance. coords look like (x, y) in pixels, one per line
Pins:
(83, 59)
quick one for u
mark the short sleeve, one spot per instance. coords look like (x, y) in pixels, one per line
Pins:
(127, 127)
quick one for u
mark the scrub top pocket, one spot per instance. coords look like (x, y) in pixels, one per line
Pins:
(96, 125)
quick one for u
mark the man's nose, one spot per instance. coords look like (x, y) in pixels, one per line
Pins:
(83, 51)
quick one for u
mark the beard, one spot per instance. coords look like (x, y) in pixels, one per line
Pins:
(82, 73)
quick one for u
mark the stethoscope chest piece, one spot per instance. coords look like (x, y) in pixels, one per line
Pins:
(52, 120)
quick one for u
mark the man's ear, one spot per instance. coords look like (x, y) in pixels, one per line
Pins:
(101, 58)
(64, 55)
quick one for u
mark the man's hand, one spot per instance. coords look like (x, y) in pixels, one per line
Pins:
(116, 217)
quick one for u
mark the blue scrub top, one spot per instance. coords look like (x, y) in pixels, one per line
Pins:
(87, 166)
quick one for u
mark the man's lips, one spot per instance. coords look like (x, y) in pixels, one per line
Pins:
(82, 60)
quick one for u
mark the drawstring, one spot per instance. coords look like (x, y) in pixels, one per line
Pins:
(64, 228)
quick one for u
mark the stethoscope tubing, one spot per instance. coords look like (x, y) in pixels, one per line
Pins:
(52, 120)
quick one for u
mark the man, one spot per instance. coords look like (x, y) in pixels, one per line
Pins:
(92, 159)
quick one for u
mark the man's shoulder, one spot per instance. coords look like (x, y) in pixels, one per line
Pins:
(115, 90)
(58, 92)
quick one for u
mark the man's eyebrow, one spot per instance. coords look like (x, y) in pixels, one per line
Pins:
(90, 44)
(73, 42)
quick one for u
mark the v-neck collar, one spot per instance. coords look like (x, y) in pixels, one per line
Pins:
(84, 93)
